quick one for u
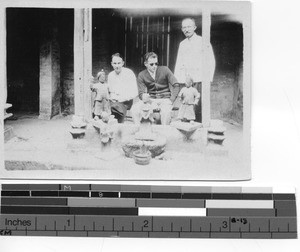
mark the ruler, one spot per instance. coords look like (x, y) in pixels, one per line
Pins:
(93, 210)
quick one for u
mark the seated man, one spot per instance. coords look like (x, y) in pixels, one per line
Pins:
(154, 81)
(122, 87)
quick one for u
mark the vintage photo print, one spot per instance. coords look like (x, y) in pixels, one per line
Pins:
(125, 90)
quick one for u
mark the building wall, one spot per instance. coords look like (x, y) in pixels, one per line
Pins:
(108, 38)
(226, 96)
(227, 86)
(66, 38)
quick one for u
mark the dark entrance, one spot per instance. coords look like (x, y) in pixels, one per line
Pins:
(23, 59)
(27, 30)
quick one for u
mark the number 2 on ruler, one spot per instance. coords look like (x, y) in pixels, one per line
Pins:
(146, 223)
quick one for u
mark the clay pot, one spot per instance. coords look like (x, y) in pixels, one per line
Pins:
(77, 133)
(156, 147)
(78, 122)
(141, 158)
(217, 139)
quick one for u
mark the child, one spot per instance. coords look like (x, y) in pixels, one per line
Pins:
(146, 109)
(189, 97)
(146, 120)
(101, 102)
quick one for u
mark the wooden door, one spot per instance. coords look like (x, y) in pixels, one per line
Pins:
(146, 34)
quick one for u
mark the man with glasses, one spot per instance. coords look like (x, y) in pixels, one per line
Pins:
(122, 87)
(154, 83)
(190, 57)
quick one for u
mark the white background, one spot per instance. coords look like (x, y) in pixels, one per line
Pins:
(275, 139)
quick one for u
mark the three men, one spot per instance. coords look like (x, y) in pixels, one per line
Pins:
(158, 82)
(190, 58)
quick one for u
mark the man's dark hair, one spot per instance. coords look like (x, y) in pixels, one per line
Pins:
(117, 55)
(149, 55)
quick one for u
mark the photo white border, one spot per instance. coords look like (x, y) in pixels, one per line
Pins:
(242, 10)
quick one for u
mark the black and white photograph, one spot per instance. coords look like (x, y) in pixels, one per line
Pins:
(126, 91)
(137, 125)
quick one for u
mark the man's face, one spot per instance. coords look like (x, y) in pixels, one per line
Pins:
(117, 63)
(188, 28)
(151, 64)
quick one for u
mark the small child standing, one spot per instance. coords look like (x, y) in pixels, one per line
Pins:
(101, 101)
(189, 97)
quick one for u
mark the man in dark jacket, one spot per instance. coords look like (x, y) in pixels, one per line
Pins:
(154, 82)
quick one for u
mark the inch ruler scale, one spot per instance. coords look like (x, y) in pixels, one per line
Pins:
(93, 210)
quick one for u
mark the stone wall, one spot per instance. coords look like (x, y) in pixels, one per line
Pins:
(227, 96)
(50, 91)
(66, 24)
(56, 76)
(227, 86)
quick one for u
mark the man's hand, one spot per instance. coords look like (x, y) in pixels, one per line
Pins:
(121, 100)
(146, 97)
(114, 97)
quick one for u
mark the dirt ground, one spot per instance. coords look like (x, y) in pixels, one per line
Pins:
(46, 149)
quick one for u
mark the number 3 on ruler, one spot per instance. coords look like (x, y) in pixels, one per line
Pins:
(225, 224)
